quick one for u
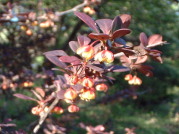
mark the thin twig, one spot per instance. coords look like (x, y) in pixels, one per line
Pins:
(42, 118)
(72, 9)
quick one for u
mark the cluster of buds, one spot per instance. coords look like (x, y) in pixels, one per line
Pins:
(87, 94)
(27, 84)
(133, 80)
(39, 110)
(89, 10)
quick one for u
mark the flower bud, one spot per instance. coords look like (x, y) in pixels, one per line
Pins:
(73, 108)
(135, 81)
(70, 94)
(128, 77)
(86, 52)
(104, 56)
(36, 110)
(101, 87)
(87, 82)
(88, 95)
(57, 110)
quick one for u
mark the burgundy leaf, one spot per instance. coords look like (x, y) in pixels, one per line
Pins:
(143, 39)
(126, 19)
(83, 40)
(157, 58)
(117, 68)
(147, 67)
(40, 91)
(141, 59)
(105, 25)
(24, 97)
(56, 61)
(95, 68)
(99, 36)
(154, 51)
(55, 53)
(128, 52)
(155, 40)
(116, 24)
(120, 41)
(125, 61)
(69, 59)
(87, 19)
(120, 33)
(74, 45)
(146, 72)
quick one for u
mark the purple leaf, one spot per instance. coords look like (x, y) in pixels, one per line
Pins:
(157, 58)
(116, 24)
(56, 61)
(24, 97)
(155, 40)
(73, 45)
(120, 33)
(128, 52)
(117, 68)
(141, 59)
(99, 36)
(120, 41)
(105, 25)
(143, 39)
(126, 19)
(83, 40)
(95, 68)
(55, 53)
(146, 72)
(125, 61)
(69, 59)
(87, 19)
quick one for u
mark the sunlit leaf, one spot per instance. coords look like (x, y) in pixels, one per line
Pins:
(83, 40)
(99, 36)
(24, 97)
(120, 33)
(126, 19)
(87, 19)
(143, 39)
(105, 25)
(73, 45)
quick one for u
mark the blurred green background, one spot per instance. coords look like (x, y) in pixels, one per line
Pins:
(154, 112)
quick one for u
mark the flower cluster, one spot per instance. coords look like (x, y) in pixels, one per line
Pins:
(101, 52)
